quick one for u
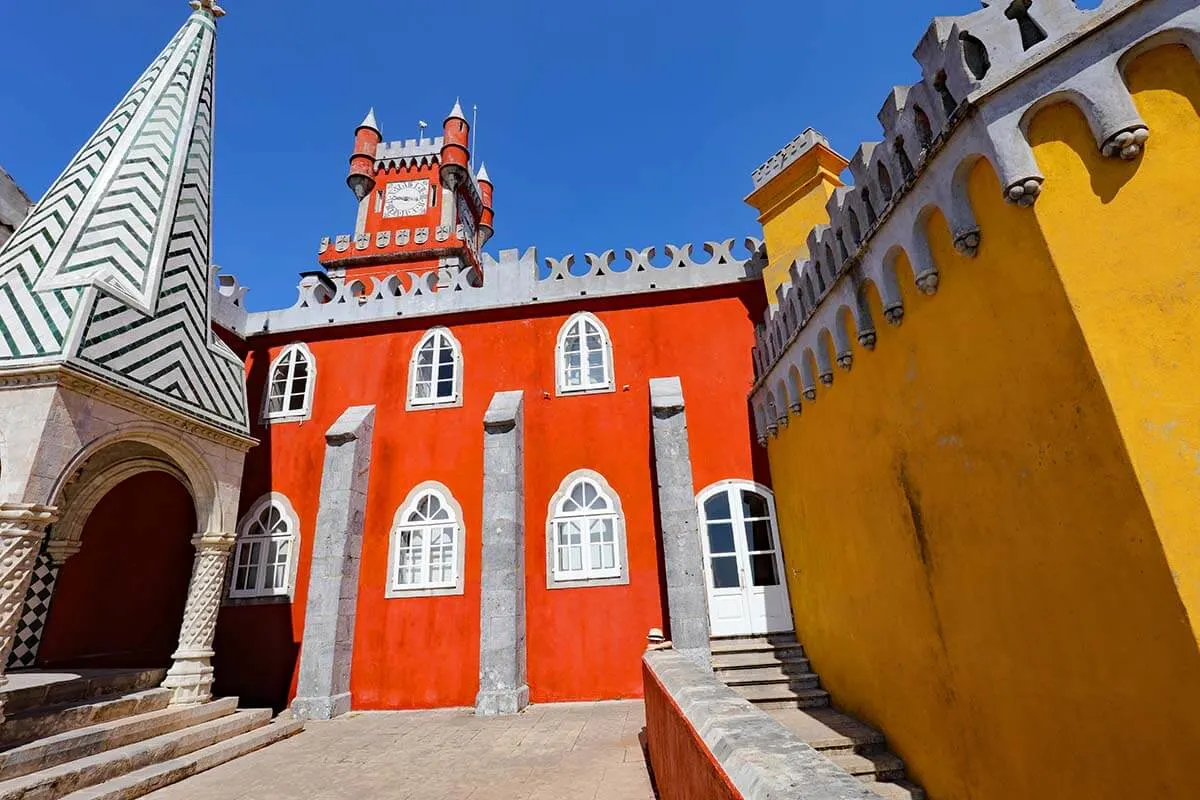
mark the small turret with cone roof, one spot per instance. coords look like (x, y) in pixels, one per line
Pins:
(367, 138)
(487, 217)
(455, 156)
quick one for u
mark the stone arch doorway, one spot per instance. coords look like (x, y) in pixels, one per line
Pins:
(119, 601)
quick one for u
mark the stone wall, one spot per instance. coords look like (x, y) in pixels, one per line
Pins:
(14, 205)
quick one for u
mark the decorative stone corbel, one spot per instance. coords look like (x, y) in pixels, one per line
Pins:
(967, 243)
(1127, 144)
(845, 361)
(927, 282)
(867, 339)
(894, 314)
(810, 394)
(827, 378)
(795, 407)
(1025, 192)
(782, 422)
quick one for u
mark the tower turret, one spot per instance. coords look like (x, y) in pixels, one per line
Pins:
(455, 156)
(487, 216)
(362, 163)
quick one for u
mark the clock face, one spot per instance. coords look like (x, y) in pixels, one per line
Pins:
(406, 199)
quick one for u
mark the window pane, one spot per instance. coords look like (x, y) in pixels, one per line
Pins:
(425, 356)
(762, 570)
(720, 537)
(725, 572)
(571, 344)
(597, 376)
(573, 377)
(758, 535)
(574, 361)
(301, 371)
(596, 556)
(717, 507)
(593, 340)
(445, 389)
(754, 505)
(595, 358)
(446, 372)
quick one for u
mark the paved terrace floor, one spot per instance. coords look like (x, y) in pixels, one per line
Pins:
(562, 751)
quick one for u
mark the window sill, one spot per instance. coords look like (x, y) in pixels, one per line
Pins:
(585, 583)
(392, 593)
(409, 405)
(284, 420)
(572, 392)
(261, 600)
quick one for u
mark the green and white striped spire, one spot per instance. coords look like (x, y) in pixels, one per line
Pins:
(110, 272)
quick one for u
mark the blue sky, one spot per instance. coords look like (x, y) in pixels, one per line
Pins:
(603, 125)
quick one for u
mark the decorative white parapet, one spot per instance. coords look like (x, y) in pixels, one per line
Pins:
(515, 279)
(984, 76)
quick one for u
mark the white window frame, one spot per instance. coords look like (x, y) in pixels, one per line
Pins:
(400, 522)
(245, 541)
(586, 385)
(587, 576)
(295, 350)
(437, 335)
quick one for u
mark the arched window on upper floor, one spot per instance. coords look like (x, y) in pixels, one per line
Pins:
(264, 556)
(435, 374)
(293, 377)
(585, 542)
(584, 356)
(426, 545)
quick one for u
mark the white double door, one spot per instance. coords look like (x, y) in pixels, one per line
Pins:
(747, 592)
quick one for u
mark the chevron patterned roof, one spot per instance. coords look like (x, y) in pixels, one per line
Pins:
(110, 272)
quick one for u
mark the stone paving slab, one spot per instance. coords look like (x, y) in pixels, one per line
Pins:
(560, 751)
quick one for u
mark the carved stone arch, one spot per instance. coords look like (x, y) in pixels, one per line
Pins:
(925, 271)
(889, 286)
(772, 411)
(855, 228)
(783, 400)
(923, 127)
(1101, 95)
(843, 331)
(808, 374)
(883, 178)
(795, 387)
(864, 319)
(825, 357)
(959, 211)
(831, 264)
(1187, 37)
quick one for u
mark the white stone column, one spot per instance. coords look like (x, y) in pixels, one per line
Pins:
(22, 528)
(191, 676)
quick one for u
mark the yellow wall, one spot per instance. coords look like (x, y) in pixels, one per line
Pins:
(1125, 237)
(972, 565)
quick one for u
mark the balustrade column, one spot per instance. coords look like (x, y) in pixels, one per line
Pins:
(191, 676)
(22, 528)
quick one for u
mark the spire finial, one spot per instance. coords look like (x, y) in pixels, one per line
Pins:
(209, 6)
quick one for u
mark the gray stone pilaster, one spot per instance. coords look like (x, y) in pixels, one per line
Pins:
(323, 690)
(687, 594)
(503, 688)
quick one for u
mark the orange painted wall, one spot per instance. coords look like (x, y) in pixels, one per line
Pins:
(583, 643)
(135, 560)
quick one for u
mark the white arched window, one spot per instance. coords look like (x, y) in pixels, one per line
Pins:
(584, 356)
(426, 544)
(435, 374)
(586, 539)
(264, 557)
(293, 375)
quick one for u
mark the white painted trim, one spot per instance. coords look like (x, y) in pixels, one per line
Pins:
(288, 592)
(560, 371)
(411, 402)
(273, 418)
(394, 591)
(622, 546)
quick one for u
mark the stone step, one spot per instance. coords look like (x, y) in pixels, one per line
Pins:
(869, 768)
(56, 782)
(82, 742)
(766, 654)
(752, 644)
(31, 689)
(772, 696)
(731, 662)
(773, 674)
(36, 723)
(829, 730)
(897, 790)
(156, 776)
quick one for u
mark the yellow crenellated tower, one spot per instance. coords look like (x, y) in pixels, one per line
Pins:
(979, 396)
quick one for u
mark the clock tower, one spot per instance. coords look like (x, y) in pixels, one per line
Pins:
(420, 207)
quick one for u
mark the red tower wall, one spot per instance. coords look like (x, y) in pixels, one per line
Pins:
(583, 643)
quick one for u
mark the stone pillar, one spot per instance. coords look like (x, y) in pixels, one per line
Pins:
(22, 527)
(323, 690)
(687, 592)
(190, 678)
(32, 622)
(503, 687)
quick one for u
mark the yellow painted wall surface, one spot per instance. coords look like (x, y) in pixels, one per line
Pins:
(786, 231)
(972, 565)
(1125, 237)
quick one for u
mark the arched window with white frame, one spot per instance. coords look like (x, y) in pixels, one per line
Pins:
(586, 534)
(426, 546)
(264, 555)
(584, 356)
(293, 376)
(435, 373)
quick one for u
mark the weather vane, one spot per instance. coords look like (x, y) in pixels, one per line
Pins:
(209, 6)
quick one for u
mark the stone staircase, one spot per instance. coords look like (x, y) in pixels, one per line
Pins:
(773, 674)
(110, 734)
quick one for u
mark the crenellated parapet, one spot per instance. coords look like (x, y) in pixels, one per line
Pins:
(984, 77)
(513, 279)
